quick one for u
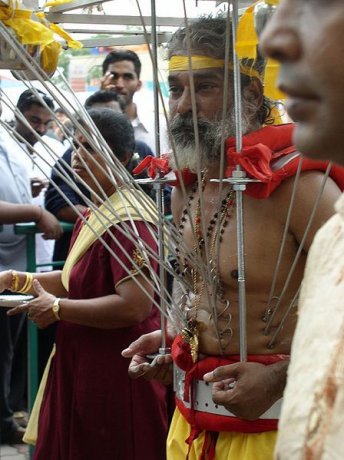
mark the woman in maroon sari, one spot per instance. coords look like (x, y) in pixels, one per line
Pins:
(102, 301)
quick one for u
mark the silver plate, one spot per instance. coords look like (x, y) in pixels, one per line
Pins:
(11, 301)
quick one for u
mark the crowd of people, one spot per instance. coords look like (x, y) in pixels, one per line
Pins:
(100, 395)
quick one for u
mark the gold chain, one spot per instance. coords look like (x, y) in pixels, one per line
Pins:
(191, 332)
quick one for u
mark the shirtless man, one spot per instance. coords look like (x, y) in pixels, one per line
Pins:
(306, 38)
(242, 429)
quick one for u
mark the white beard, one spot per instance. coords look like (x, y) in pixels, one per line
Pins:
(209, 152)
(188, 158)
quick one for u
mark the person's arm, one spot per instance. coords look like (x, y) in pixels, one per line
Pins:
(148, 344)
(309, 186)
(15, 281)
(248, 389)
(13, 213)
(130, 302)
(128, 307)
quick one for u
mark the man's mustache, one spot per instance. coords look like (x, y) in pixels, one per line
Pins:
(185, 125)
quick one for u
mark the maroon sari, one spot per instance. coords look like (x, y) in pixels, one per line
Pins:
(91, 409)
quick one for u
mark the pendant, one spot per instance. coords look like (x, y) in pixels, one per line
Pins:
(190, 335)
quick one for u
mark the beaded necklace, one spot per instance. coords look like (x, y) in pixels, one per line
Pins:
(214, 233)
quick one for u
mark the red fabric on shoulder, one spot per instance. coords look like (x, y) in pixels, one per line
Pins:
(260, 150)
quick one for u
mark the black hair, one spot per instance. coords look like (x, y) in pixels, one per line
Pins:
(116, 130)
(60, 110)
(29, 97)
(207, 36)
(103, 96)
(122, 55)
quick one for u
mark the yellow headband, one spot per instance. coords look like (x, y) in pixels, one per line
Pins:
(181, 63)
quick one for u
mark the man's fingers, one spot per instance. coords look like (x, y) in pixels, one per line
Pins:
(221, 373)
(148, 343)
(160, 360)
(139, 370)
(133, 349)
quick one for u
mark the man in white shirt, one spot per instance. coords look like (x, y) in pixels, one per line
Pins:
(39, 155)
(307, 38)
(121, 73)
(15, 206)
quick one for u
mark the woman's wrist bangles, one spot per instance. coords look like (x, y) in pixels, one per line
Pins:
(14, 287)
(28, 284)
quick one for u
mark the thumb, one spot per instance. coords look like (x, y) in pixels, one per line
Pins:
(38, 288)
(133, 348)
(221, 373)
(147, 343)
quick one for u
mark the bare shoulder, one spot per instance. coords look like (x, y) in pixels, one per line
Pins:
(310, 186)
(314, 199)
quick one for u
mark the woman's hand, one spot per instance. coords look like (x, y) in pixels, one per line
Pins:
(5, 280)
(40, 309)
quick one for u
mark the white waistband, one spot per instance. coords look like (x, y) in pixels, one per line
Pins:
(203, 400)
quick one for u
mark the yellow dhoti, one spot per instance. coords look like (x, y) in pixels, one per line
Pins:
(229, 445)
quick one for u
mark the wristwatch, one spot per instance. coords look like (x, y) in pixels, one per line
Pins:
(56, 308)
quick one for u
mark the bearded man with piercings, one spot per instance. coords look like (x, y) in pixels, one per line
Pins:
(236, 417)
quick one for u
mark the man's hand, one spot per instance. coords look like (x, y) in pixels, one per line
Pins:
(159, 369)
(106, 82)
(49, 226)
(248, 389)
(37, 185)
(39, 310)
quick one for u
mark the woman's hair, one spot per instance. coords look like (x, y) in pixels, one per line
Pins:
(207, 36)
(116, 130)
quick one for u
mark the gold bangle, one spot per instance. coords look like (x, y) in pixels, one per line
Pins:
(28, 284)
(15, 281)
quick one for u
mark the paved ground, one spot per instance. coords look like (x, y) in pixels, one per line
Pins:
(19, 452)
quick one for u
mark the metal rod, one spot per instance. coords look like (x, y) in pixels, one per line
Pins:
(159, 187)
(239, 189)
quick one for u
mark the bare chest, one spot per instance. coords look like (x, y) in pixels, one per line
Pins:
(208, 240)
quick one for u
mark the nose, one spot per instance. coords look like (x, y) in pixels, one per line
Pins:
(119, 83)
(280, 39)
(41, 129)
(184, 103)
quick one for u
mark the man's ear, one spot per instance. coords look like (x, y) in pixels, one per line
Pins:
(253, 93)
(139, 85)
